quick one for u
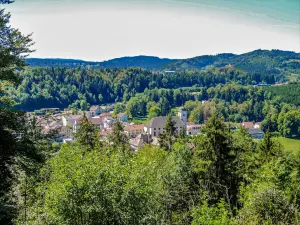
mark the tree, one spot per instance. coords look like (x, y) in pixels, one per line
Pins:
(118, 140)
(197, 115)
(211, 215)
(167, 139)
(215, 163)
(164, 106)
(87, 134)
(84, 105)
(289, 123)
(154, 112)
(19, 150)
(119, 108)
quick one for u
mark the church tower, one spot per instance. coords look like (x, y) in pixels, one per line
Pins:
(182, 114)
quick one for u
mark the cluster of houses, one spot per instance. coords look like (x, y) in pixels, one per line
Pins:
(66, 125)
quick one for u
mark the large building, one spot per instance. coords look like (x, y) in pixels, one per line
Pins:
(157, 125)
(134, 130)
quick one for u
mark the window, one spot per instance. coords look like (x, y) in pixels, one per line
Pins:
(154, 134)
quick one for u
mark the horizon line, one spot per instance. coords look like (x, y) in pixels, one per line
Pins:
(132, 56)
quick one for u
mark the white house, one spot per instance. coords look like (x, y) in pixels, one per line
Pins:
(97, 122)
(134, 130)
(157, 125)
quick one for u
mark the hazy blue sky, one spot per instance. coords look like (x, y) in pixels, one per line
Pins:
(103, 29)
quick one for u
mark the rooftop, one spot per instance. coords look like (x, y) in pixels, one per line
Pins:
(134, 127)
(161, 121)
(248, 124)
(253, 131)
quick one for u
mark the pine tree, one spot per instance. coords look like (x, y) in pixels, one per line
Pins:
(268, 147)
(168, 138)
(118, 140)
(87, 134)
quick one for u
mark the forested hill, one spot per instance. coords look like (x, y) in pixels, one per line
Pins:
(60, 87)
(276, 62)
(147, 62)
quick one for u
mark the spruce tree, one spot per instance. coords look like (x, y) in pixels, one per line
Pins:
(268, 147)
(118, 140)
(168, 138)
(87, 134)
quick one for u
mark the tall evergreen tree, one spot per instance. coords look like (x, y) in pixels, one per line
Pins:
(214, 163)
(268, 148)
(167, 139)
(87, 134)
(21, 146)
(118, 140)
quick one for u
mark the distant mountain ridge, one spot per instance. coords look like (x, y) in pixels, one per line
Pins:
(275, 62)
(147, 62)
(268, 58)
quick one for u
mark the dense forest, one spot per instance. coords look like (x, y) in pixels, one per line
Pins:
(61, 87)
(279, 64)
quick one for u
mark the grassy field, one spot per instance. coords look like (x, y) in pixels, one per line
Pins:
(290, 144)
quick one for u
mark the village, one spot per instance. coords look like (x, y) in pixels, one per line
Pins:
(65, 124)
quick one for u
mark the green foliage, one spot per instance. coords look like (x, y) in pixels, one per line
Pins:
(268, 147)
(167, 138)
(87, 135)
(292, 145)
(214, 178)
(212, 215)
(289, 123)
(268, 205)
(23, 148)
(118, 140)
(119, 108)
(154, 112)
(61, 87)
(287, 93)
(262, 65)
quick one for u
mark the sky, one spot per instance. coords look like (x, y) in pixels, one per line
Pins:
(98, 30)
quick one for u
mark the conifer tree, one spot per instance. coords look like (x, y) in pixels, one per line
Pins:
(87, 134)
(118, 140)
(268, 147)
(167, 138)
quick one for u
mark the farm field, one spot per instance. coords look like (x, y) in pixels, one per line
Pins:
(290, 144)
